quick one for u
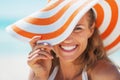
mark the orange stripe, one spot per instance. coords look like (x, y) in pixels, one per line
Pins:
(47, 8)
(100, 15)
(114, 43)
(53, 34)
(114, 19)
(47, 21)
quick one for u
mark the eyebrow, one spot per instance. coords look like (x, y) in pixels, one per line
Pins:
(78, 24)
(82, 25)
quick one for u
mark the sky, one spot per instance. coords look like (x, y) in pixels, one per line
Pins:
(19, 8)
(12, 11)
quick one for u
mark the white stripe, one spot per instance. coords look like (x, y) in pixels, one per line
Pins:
(39, 29)
(107, 16)
(51, 2)
(50, 13)
(118, 23)
(17, 36)
(111, 38)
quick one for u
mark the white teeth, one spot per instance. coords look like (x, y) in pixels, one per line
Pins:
(68, 47)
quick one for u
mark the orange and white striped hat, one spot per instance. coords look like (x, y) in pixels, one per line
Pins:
(55, 22)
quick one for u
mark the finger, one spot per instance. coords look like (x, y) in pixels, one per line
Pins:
(34, 40)
(36, 58)
(43, 52)
(48, 47)
(32, 53)
(46, 50)
(48, 55)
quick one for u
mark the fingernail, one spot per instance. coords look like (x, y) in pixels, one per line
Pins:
(38, 37)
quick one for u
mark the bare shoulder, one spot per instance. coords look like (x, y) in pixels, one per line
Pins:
(104, 70)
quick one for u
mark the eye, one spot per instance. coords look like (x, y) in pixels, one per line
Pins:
(78, 29)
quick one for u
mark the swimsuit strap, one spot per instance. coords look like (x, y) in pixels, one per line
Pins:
(54, 73)
(84, 74)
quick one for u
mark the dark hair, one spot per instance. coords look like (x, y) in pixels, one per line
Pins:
(95, 49)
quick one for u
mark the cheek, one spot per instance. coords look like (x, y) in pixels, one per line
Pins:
(82, 46)
(82, 39)
(83, 43)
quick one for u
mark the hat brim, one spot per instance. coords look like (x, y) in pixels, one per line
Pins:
(55, 23)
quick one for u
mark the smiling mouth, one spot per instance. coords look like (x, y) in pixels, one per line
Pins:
(68, 48)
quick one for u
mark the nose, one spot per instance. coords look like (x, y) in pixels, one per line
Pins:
(68, 40)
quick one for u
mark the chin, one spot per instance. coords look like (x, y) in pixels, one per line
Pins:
(67, 58)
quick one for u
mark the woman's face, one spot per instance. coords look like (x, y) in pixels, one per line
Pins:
(72, 47)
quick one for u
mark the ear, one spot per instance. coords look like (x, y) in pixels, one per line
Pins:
(91, 30)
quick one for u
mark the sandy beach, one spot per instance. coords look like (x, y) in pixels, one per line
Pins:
(13, 67)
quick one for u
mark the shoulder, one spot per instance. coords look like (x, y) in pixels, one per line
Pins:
(104, 70)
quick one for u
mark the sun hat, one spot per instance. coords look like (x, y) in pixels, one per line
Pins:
(55, 22)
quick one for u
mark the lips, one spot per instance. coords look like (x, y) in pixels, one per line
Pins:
(68, 48)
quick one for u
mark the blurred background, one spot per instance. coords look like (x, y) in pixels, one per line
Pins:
(13, 53)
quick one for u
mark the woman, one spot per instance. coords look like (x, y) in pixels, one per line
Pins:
(79, 57)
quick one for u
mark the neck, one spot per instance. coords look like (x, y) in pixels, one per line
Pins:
(69, 71)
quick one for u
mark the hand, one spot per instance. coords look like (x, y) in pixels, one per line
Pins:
(40, 59)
